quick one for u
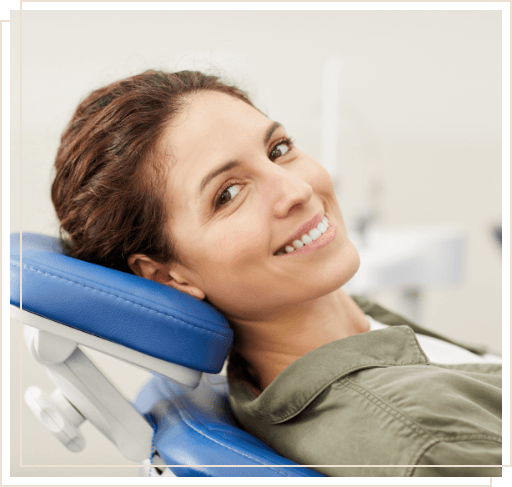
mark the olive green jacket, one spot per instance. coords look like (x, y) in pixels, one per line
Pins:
(375, 399)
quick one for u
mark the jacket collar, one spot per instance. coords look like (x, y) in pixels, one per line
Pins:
(302, 381)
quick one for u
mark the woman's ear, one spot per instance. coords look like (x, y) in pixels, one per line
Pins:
(143, 266)
(179, 282)
(168, 274)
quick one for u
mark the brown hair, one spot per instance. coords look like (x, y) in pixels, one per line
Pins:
(109, 182)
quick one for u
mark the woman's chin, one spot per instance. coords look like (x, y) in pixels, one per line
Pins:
(346, 265)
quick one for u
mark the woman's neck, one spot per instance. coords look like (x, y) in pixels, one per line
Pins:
(271, 346)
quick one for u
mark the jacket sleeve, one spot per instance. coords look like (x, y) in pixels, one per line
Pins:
(465, 451)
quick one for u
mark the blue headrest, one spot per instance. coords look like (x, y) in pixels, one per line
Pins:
(126, 309)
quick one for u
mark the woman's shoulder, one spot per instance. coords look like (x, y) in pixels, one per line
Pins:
(395, 407)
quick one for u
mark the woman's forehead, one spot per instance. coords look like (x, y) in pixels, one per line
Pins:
(210, 112)
(211, 127)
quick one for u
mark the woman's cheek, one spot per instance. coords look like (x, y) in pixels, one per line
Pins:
(319, 178)
(241, 241)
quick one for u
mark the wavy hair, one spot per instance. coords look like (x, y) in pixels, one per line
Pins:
(109, 184)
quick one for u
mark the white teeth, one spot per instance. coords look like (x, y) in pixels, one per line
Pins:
(314, 234)
(307, 237)
(322, 228)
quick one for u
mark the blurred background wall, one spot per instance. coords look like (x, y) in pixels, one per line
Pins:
(418, 138)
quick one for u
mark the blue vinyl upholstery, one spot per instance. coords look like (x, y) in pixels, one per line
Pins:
(123, 308)
(194, 428)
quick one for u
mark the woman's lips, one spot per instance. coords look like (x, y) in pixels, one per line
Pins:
(323, 229)
(307, 227)
(321, 241)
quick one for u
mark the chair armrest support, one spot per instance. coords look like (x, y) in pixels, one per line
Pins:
(91, 393)
(175, 372)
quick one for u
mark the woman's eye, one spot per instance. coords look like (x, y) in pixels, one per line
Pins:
(228, 194)
(280, 150)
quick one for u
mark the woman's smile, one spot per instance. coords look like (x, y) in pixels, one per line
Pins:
(313, 235)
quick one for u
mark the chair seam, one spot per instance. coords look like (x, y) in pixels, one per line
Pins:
(185, 419)
(123, 299)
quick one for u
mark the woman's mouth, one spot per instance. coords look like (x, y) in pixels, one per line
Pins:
(317, 237)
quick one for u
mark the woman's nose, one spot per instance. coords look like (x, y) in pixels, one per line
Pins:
(291, 192)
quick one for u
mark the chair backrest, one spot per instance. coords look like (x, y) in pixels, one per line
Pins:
(137, 313)
(197, 433)
(90, 304)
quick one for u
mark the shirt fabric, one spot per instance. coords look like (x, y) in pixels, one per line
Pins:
(375, 399)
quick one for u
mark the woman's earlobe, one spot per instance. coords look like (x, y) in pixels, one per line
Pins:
(192, 290)
(178, 282)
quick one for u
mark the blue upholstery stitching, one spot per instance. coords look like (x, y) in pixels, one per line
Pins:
(231, 449)
(185, 420)
(124, 299)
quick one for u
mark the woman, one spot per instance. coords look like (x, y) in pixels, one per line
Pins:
(178, 178)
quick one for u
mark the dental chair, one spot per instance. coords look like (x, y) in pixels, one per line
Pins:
(181, 421)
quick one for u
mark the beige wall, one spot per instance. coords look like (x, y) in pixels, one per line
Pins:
(420, 115)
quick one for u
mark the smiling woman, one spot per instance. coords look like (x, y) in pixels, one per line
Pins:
(178, 178)
(240, 187)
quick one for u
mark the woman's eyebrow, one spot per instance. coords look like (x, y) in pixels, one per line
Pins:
(231, 164)
(270, 131)
(213, 174)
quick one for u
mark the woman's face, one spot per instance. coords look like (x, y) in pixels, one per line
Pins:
(239, 191)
